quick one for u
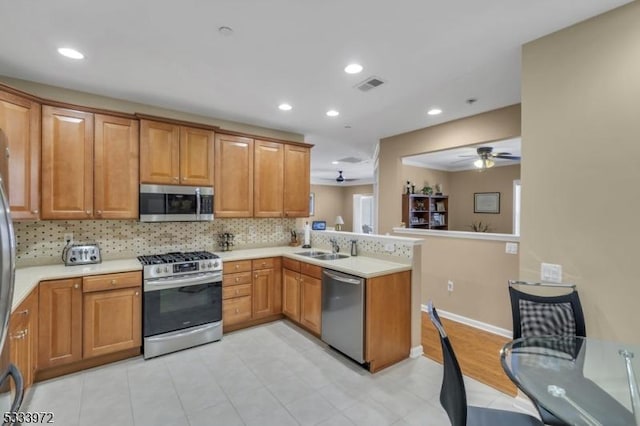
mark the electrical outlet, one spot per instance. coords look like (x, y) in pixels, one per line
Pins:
(390, 247)
(68, 237)
(511, 248)
(449, 286)
(551, 273)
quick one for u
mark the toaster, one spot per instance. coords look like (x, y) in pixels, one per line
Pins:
(81, 254)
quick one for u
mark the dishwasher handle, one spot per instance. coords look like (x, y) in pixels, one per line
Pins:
(342, 279)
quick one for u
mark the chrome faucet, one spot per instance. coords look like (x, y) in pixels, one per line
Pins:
(335, 248)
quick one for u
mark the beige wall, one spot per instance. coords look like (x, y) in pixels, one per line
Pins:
(581, 165)
(96, 101)
(491, 126)
(334, 200)
(479, 270)
(347, 202)
(464, 184)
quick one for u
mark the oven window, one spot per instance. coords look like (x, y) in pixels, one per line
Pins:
(152, 203)
(181, 307)
(181, 204)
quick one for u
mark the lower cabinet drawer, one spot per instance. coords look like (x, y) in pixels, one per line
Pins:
(236, 310)
(236, 291)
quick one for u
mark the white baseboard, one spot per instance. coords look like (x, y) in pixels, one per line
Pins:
(416, 351)
(474, 323)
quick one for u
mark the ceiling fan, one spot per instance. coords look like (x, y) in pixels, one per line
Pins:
(487, 156)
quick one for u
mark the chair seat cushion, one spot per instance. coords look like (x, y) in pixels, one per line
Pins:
(481, 416)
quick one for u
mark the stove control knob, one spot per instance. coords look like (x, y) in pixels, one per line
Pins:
(210, 265)
(158, 270)
(216, 264)
(166, 269)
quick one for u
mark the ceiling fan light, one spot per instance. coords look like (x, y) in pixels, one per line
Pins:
(484, 163)
(488, 163)
(478, 163)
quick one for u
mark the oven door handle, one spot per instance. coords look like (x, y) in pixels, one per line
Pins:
(198, 203)
(160, 284)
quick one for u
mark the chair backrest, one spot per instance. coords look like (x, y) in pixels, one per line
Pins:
(535, 315)
(453, 396)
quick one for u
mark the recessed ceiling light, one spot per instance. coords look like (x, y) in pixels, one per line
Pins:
(434, 111)
(353, 68)
(225, 31)
(335, 162)
(70, 53)
(285, 107)
(333, 113)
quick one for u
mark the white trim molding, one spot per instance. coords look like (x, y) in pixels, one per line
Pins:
(474, 323)
(458, 234)
(416, 351)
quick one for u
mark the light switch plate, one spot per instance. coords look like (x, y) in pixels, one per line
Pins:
(551, 273)
(511, 248)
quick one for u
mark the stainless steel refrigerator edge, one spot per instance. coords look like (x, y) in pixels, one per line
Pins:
(7, 277)
(343, 313)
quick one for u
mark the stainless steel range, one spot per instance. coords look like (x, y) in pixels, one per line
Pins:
(182, 304)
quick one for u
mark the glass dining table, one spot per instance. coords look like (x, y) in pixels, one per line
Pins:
(582, 381)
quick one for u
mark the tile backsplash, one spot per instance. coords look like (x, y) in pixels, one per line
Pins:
(368, 244)
(41, 243)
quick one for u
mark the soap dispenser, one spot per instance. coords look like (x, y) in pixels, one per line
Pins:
(354, 247)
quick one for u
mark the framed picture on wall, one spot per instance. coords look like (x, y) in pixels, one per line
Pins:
(486, 202)
(312, 203)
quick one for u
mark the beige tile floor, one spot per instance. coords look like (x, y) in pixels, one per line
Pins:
(275, 374)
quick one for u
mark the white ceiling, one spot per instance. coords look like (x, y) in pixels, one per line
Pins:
(458, 159)
(170, 54)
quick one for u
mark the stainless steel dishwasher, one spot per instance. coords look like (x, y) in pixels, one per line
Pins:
(343, 313)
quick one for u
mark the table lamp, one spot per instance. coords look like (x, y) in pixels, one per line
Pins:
(339, 223)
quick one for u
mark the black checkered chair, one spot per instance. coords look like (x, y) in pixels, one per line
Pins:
(535, 315)
(453, 396)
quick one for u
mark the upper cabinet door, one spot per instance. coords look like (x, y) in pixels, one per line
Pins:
(116, 168)
(296, 181)
(159, 153)
(20, 122)
(233, 176)
(196, 156)
(268, 179)
(67, 164)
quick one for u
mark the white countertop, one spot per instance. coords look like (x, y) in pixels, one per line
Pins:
(28, 278)
(363, 266)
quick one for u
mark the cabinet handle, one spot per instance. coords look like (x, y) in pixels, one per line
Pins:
(256, 276)
(88, 212)
(76, 286)
(34, 211)
(99, 212)
(175, 178)
(137, 293)
(237, 279)
(237, 292)
(237, 311)
(114, 282)
(184, 178)
(237, 266)
(25, 312)
(18, 335)
(264, 263)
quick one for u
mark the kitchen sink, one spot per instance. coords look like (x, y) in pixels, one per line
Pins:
(331, 256)
(311, 253)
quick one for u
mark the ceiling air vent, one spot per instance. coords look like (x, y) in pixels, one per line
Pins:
(352, 160)
(369, 83)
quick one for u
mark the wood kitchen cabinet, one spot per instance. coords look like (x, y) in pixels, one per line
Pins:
(67, 164)
(296, 180)
(112, 314)
(116, 187)
(233, 176)
(268, 180)
(20, 123)
(59, 322)
(302, 294)
(388, 319)
(236, 292)
(89, 165)
(23, 333)
(267, 287)
(171, 154)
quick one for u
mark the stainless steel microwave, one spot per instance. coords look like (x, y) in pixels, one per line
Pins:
(170, 203)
